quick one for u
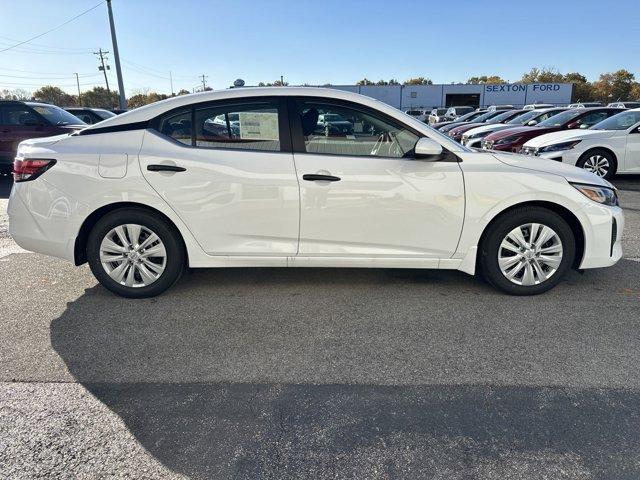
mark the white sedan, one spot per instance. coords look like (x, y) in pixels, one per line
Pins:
(145, 194)
(609, 147)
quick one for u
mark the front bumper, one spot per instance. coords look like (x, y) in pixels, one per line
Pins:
(603, 235)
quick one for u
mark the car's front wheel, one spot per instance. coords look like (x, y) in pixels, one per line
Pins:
(598, 161)
(134, 253)
(527, 251)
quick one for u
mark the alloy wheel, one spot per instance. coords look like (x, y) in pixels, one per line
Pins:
(597, 164)
(530, 254)
(133, 255)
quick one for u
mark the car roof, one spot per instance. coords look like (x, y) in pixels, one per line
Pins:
(147, 112)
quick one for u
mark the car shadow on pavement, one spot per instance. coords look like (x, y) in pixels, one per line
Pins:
(317, 373)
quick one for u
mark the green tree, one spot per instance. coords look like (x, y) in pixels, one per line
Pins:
(55, 95)
(277, 83)
(613, 86)
(365, 81)
(542, 75)
(582, 88)
(486, 79)
(634, 93)
(183, 92)
(418, 81)
(140, 99)
(98, 97)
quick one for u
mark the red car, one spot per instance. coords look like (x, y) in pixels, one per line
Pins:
(22, 120)
(512, 139)
(501, 117)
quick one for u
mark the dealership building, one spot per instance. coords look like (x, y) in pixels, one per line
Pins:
(406, 97)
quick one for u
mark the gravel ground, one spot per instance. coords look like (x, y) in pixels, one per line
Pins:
(319, 373)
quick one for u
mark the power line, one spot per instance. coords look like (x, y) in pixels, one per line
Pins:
(51, 30)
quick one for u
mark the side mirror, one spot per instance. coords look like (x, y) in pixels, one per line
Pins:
(427, 149)
(532, 123)
(573, 125)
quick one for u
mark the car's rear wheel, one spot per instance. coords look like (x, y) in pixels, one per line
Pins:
(527, 251)
(598, 161)
(134, 253)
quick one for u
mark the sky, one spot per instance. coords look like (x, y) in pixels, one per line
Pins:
(314, 42)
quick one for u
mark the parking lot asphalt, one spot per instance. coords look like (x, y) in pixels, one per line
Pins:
(320, 373)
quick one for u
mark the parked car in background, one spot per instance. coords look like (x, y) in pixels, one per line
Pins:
(479, 119)
(512, 139)
(584, 105)
(464, 118)
(90, 115)
(437, 115)
(493, 108)
(333, 124)
(609, 147)
(624, 105)
(503, 116)
(473, 138)
(418, 114)
(454, 112)
(537, 106)
(22, 120)
(118, 111)
(144, 195)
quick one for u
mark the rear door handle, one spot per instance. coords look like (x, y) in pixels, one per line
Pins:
(165, 168)
(312, 177)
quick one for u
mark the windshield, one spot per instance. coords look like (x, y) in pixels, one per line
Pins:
(56, 115)
(501, 117)
(620, 121)
(486, 116)
(523, 118)
(561, 118)
(104, 114)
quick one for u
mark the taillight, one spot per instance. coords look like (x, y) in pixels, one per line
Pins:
(30, 168)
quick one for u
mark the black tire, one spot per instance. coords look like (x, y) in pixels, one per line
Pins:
(498, 230)
(170, 237)
(604, 153)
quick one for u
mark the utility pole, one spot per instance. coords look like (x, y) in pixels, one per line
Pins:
(204, 82)
(171, 80)
(281, 81)
(102, 54)
(79, 95)
(116, 56)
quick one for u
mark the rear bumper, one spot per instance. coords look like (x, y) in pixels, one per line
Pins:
(41, 220)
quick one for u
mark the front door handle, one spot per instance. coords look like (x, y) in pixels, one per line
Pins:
(312, 177)
(165, 168)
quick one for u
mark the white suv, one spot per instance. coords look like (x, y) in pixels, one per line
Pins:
(145, 194)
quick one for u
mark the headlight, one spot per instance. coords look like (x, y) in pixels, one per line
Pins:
(603, 195)
(559, 146)
(504, 141)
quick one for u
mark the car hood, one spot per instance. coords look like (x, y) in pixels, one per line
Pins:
(507, 132)
(494, 127)
(566, 135)
(569, 172)
(463, 127)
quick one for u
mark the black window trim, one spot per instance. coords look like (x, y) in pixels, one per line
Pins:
(278, 100)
